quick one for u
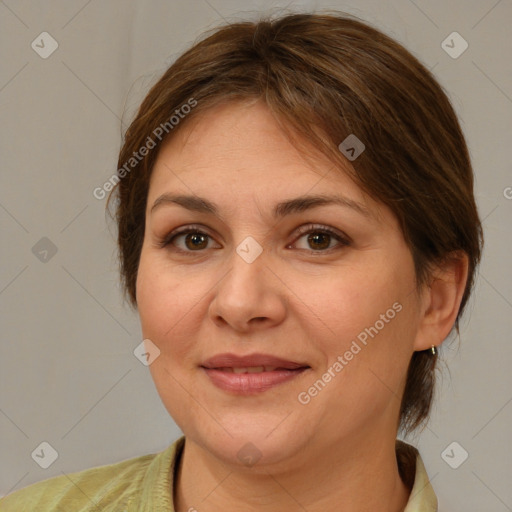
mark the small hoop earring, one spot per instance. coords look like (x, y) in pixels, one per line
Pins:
(433, 349)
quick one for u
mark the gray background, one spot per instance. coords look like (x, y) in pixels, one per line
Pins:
(68, 375)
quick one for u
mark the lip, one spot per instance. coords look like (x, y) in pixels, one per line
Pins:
(250, 383)
(229, 360)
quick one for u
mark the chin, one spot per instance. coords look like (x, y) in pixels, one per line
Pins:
(253, 445)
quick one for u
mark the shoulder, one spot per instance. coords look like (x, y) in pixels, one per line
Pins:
(108, 487)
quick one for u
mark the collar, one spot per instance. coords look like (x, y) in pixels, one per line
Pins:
(412, 470)
(157, 488)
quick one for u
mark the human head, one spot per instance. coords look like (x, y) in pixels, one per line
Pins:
(324, 78)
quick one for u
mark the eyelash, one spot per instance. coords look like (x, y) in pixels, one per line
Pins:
(302, 230)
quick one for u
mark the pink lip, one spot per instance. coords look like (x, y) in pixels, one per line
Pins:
(250, 383)
(234, 361)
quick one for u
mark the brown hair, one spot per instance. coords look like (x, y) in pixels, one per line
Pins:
(324, 77)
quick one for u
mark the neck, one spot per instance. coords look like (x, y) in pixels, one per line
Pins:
(353, 478)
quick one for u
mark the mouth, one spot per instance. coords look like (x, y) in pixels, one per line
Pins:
(251, 363)
(251, 380)
(251, 374)
(253, 369)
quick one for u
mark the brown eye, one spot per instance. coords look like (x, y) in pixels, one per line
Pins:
(320, 238)
(319, 241)
(187, 240)
(195, 241)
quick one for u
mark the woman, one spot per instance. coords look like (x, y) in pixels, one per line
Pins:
(298, 232)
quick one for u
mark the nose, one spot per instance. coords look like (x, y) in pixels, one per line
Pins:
(250, 296)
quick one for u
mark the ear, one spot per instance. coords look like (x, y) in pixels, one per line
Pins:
(441, 300)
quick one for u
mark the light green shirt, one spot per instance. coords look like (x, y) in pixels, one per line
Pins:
(145, 484)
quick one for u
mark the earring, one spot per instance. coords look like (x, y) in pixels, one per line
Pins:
(433, 350)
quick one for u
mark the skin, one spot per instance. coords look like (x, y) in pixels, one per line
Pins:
(294, 301)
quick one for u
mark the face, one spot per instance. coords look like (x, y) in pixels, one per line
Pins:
(333, 289)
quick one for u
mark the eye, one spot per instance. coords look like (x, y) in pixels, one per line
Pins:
(320, 238)
(193, 240)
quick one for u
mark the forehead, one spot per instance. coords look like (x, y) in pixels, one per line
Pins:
(236, 152)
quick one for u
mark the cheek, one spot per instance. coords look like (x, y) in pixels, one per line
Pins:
(166, 310)
(172, 306)
(369, 320)
(367, 348)
(161, 301)
(356, 301)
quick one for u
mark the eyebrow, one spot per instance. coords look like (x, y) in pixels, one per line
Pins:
(281, 209)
